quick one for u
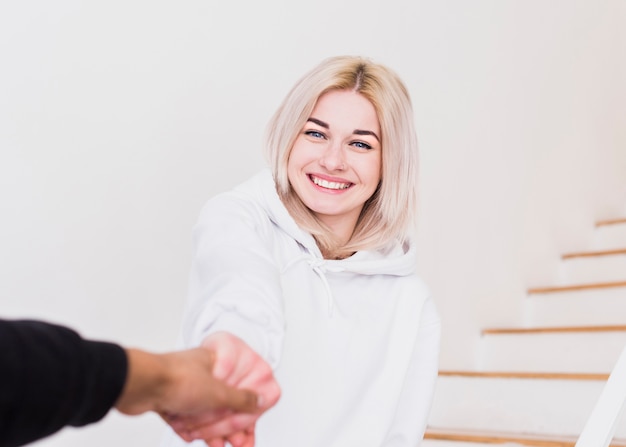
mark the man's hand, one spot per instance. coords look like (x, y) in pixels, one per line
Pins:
(182, 388)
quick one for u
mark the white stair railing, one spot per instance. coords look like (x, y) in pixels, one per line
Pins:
(600, 426)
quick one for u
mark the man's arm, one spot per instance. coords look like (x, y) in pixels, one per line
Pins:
(50, 377)
(180, 385)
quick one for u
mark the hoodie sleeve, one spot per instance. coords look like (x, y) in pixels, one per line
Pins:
(235, 283)
(409, 425)
(50, 377)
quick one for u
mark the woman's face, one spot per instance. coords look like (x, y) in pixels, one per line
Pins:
(335, 163)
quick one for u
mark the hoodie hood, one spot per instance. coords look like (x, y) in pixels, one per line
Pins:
(397, 259)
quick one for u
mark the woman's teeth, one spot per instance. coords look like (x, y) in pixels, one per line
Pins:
(329, 185)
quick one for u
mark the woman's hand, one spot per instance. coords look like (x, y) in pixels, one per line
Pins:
(241, 367)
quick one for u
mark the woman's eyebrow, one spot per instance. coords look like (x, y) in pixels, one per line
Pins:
(365, 132)
(319, 123)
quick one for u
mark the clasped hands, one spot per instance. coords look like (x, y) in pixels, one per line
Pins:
(235, 367)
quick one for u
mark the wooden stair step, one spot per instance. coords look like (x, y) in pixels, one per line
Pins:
(609, 234)
(551, 406)
(525, 439)
(551, 348)
(576, 308)
(555, 329)
(618, 221)
(594, 270)
(526, 375)
(600, 267)
(596, 253)
(574, 287)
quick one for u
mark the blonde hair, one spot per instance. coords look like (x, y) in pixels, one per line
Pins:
(387, 216)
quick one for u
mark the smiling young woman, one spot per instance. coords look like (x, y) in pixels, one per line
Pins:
(335, 163)
(310, 266)
(389, 213)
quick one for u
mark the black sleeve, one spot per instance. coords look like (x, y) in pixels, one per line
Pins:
(50, 377)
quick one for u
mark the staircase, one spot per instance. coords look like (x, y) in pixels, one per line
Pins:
(537, 385)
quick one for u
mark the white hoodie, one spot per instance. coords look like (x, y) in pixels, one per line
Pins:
(353, 343)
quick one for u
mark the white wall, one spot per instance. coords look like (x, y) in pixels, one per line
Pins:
(523, 143)
(119, 119)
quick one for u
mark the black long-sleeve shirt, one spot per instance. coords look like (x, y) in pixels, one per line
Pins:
(50, 377)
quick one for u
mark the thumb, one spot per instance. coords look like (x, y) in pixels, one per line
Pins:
(243, 401)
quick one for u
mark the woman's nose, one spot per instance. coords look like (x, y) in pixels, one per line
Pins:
(333, 158)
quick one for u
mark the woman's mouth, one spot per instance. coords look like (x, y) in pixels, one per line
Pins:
(328, 184)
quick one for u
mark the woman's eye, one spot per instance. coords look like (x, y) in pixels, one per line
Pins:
(361, 145)
(314, 134)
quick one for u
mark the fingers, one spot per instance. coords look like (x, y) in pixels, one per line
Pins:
(238, 439)
(216, 442)
(225, 427)
(243, 439)
(265, 385)
(227, 355)
(185, 424)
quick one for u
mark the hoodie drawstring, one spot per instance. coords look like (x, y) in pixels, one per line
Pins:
(319, 267)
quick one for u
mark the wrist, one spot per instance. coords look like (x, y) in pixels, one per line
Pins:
(146, 382)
